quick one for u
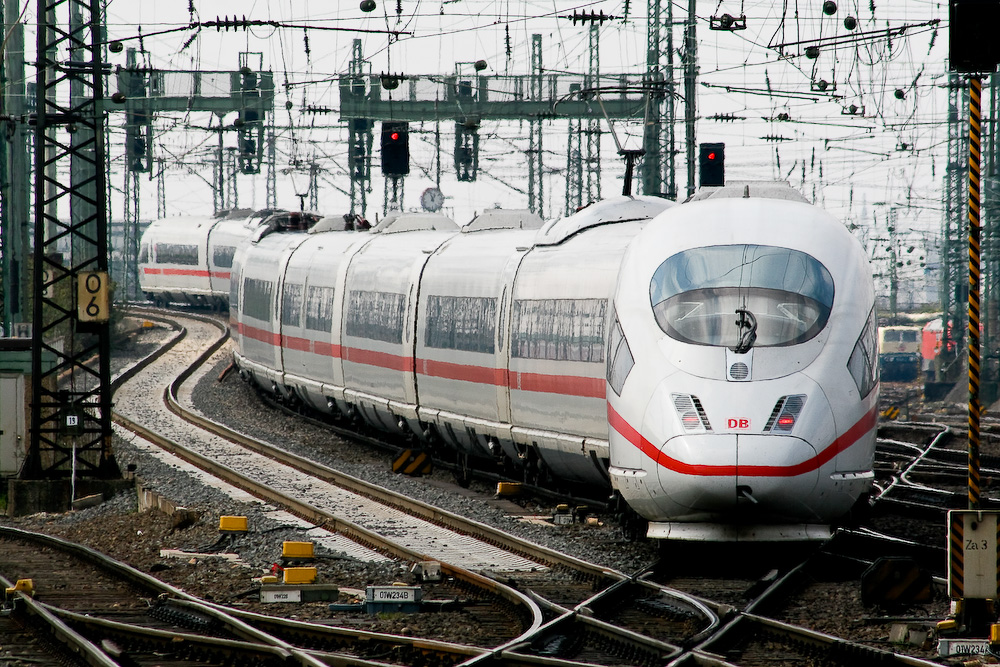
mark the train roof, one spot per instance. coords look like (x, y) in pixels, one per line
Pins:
(622, 208)
(504, 218)
(412, 222)
(749, 189)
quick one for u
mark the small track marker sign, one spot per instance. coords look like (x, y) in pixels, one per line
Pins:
(972, 554)
(92, 304)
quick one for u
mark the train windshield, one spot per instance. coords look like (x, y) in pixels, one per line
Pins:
(741, 296)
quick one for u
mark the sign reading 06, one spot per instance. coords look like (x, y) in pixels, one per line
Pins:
(92, 297)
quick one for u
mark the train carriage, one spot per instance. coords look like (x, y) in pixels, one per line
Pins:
(172, 260)
(714, 364)
(744, 381)
(378, 334)
(899, 352)
(188, 259)
(559, 308)
(310, 315)
(461, 343)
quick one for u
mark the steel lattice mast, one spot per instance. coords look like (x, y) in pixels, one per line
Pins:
(71, 396)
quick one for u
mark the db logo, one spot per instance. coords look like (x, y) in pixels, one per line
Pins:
(738, 423)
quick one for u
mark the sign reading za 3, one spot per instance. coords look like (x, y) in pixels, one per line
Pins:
(92, 297)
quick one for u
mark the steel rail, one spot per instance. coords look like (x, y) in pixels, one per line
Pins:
(147, 582)
(307, 511)
(73, 642)
(545, 555)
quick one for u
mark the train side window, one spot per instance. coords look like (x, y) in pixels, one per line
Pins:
(863, 364)
(466, 323)
(319, 308)
(621, 358)
(559, 329)
(375, 315)
(291, 304)
(234, 298)
(222, 256)
(176, 253)
(144, 254)
(257, 296)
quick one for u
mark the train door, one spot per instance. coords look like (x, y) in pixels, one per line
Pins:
(502, 359)
(411, 326)
(283, 324)
(12, 419)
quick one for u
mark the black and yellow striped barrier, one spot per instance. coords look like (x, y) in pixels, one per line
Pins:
(413, 462)
(892, 412)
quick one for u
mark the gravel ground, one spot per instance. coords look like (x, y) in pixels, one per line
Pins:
(116, 528)
(137, 538)
(235, 403)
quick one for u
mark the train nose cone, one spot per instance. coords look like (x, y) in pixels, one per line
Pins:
(756, 475)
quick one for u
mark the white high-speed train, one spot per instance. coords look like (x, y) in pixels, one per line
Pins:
(714, 363)
(743, 369)
(188, 259)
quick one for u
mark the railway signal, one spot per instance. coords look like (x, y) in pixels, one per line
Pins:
(712, 164)
(395, 148)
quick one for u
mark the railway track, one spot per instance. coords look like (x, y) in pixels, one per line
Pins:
(524, 565)
(101, 609)
(565, 609)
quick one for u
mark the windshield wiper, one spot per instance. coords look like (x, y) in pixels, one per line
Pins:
(747, 325)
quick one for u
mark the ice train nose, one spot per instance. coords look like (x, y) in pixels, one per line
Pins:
(719, 473)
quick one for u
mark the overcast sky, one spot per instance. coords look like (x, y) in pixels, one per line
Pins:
(789, 115)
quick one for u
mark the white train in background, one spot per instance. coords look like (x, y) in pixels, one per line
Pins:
(713, 364)
(188, 259)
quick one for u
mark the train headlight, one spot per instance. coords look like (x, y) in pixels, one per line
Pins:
(786, 412)
(691, 413)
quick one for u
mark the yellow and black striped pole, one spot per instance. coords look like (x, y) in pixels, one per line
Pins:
(975, 114)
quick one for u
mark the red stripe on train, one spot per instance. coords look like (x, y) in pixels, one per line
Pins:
(566, 385)
(197, 273)
(842, 443)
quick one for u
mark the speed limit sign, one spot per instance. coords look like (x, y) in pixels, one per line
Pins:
(92, 297)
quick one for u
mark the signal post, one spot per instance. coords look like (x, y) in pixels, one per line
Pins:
(974, 556)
